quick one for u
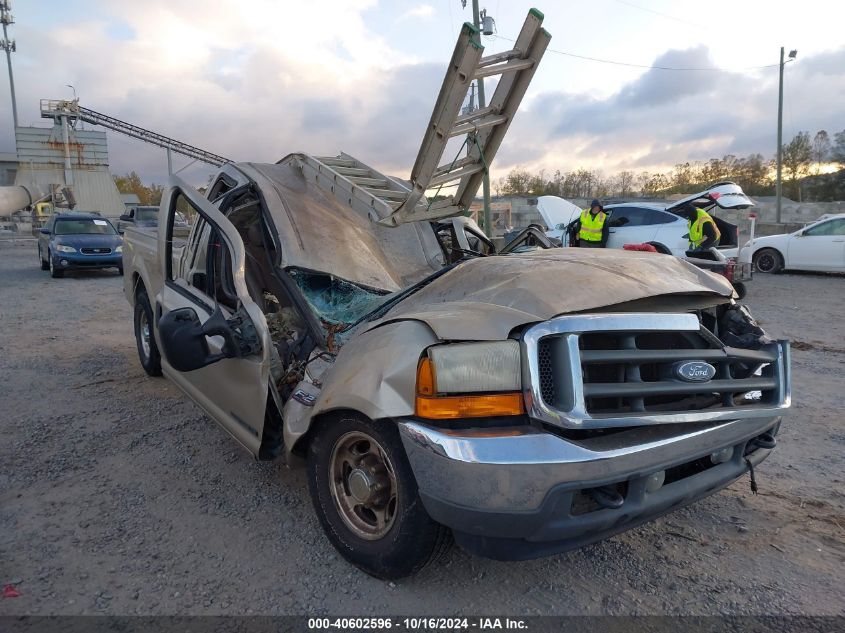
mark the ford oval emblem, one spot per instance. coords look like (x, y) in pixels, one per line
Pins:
(694, 371)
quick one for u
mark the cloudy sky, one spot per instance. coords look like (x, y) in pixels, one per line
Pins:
(257, 79)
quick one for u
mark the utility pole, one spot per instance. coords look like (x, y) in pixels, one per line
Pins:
(778, 182)
(485, 183)
(9, 46)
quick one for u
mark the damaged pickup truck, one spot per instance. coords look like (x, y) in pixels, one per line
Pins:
(526, 403)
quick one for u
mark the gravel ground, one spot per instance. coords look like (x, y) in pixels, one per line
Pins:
(118, 495)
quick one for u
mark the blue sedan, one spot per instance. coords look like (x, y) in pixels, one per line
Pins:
(79, 241)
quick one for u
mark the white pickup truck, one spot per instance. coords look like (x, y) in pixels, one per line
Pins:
(525, 404)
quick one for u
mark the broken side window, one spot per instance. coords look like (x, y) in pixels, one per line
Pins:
(336, 302)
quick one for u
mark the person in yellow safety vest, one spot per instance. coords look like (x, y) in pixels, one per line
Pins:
(592, 226)
(703, 232)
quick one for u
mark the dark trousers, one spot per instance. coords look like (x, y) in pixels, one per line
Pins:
(586, 244)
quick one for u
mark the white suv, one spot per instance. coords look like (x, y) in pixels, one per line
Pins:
(649, 223)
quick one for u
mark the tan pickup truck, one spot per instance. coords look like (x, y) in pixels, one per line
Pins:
(524, 403)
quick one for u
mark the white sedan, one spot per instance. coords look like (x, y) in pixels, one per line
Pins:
(819, 246)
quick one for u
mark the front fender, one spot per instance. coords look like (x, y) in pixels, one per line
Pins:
(374, 374)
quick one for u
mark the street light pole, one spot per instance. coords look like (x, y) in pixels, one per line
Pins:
(9, 47)
(485, 182)
(778, 183)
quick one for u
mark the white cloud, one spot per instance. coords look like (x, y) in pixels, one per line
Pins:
(418, 11)
(259, 80)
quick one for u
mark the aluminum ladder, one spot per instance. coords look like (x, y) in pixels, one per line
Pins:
(393, 202)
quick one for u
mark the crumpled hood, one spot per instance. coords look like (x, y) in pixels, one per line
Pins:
(485, 298)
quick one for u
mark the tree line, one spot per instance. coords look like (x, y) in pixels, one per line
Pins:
(803, 178)
(148, 195)
(804, 158)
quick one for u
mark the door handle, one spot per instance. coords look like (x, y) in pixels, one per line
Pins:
(839, 240)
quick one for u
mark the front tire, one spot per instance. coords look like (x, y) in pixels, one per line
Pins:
(55, 273)
(44, 265)
(148, 352)
(768, 260)
(367, 500)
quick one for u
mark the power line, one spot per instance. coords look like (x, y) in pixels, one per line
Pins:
(631, 65)
(663, 15)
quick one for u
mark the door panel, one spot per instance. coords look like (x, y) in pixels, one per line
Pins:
(636, 231)
(233, 391)
(622, 235)
(819, 247)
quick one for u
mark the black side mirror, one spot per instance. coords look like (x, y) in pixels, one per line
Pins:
(125, 217)
(183, 339)
(44, 231)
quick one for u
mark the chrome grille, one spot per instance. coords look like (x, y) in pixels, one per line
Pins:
(544, 359)
(622, 373)
(87, 250)
(600, 371)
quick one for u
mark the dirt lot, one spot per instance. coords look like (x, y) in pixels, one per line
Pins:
(119, 496)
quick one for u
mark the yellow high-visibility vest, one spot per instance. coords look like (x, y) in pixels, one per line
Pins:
(696, 229)
(591, 225)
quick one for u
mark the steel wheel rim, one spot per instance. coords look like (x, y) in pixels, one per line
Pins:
(363, 485)
(765, 262)
(50, 257)
(144, 329)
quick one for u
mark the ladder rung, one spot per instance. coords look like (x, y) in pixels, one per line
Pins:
(469, 160)
(368, 182)
(519, 64)
(455, 175)
(386, 193)
(476, 114)
(499, 57)
(466, 128)
(333, 161)
(352, 171)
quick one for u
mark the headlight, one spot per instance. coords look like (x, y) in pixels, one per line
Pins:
(119, 249)
(470, 380)
(65, 249)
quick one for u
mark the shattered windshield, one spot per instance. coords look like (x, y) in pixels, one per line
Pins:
(336, 302)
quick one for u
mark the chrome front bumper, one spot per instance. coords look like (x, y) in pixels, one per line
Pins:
(507, 492)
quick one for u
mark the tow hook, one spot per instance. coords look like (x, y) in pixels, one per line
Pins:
(765, 440)
(607, 497)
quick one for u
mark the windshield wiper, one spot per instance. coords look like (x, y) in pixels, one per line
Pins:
(404, 294)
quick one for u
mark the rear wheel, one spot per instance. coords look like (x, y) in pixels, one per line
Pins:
(768, 260)
(147, 349)
(661, 248)
(55, 273)
(366, 498)
(44, 264)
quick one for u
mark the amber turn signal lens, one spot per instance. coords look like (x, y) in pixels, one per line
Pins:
(470, 406)
(425, 378)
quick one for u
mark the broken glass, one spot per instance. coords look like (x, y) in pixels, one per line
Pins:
(337, 303)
